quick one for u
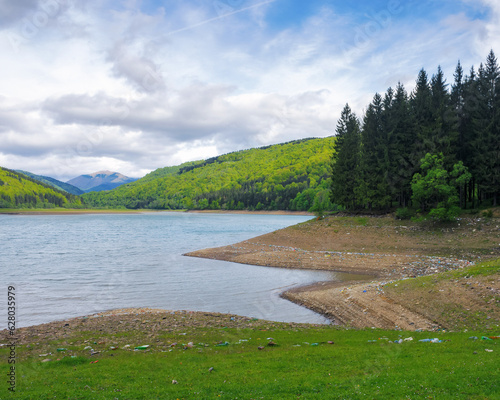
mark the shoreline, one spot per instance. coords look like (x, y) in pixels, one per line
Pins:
(68, 211)
(247, 212)
(385, 250)
(125, 319)
(75, 211)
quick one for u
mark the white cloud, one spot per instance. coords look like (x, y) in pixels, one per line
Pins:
(102, 85)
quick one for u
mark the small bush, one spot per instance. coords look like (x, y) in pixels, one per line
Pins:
(405, 213)
(445, 214)
(488, 214)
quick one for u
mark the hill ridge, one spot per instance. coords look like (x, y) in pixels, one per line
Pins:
(284, 176)
(53, 182)
(20, 191)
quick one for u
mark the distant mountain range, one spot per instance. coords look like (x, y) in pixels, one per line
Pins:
(54, 183)
(99, 181)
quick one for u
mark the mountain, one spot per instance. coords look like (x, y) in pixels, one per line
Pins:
(20, 191)
(99, 181)
(54, 183)
(287, 176)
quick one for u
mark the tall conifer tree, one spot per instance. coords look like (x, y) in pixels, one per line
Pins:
(402, 137)
(444, 121)
(374, 191)
(421, 104)
(487, 143)
(457, 104)
(345, 161)
(468, 149)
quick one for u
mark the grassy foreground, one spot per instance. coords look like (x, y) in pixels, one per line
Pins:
(217, 356)
(195, 357)
(352, 368)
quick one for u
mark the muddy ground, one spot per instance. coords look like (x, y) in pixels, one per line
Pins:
(385, 250)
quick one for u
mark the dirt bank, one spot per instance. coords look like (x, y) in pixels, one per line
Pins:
(383, 248)
(148, 324)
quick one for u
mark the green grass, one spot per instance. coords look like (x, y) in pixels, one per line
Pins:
(352, 368)
(488, 268)
(439, 297)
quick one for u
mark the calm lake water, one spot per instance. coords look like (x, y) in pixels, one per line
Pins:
(72, 265)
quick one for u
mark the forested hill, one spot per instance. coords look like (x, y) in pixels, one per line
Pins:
(20, 191)
(66, 187)
(288, 176)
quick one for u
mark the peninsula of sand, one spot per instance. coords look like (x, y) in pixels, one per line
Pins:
(386, 250)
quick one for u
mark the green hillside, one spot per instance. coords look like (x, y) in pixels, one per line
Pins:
(20, 191)
(66, 187)
(288, 176)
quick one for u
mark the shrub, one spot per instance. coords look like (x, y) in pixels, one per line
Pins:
(405, 213)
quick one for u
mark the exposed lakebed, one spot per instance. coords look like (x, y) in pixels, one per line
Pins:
(70, 265)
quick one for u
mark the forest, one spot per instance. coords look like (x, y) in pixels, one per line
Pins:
(287, 176)
(20, 191)
(434, 150)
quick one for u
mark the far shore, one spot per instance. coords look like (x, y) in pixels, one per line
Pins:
(66, 211)
(276, 212)
(76, 211)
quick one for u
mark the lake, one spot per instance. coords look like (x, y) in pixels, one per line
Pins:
(66, 266)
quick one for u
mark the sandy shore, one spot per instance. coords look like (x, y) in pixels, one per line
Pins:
(383, 249)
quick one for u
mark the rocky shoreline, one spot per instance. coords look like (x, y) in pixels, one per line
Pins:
(383, 249)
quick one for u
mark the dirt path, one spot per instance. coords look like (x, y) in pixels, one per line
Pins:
(382, 248)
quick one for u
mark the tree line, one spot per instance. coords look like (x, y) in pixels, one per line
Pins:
(437, 147)
(285, 176)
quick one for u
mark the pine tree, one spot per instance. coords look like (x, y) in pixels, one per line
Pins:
(457, 104)
(444, 121)
(469, 153)
(458, 108)
(485, 142)
(402, 137)
(495, 150)
(345, 160)
(373, 188)
(489, 182)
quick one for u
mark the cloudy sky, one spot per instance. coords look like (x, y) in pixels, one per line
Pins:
(134, 85)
